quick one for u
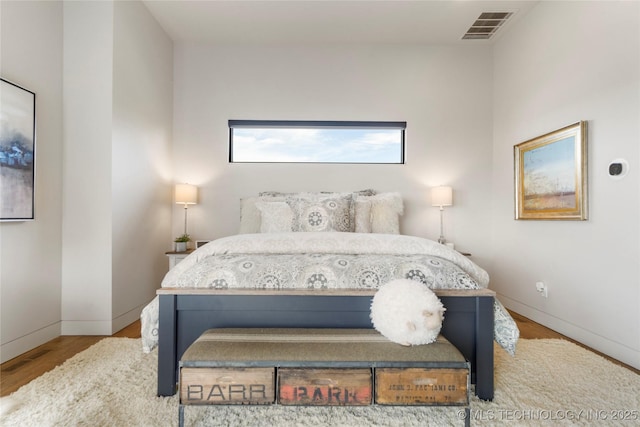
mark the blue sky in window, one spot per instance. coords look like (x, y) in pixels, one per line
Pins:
(304, 145)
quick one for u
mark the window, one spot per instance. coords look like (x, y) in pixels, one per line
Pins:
(286, 141)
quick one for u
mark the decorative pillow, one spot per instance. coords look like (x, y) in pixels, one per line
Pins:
(249, 215)
(273, 194)
(407, 312)
(363, 215)
(367, 192)
(276, 217)
(386, 209)
(322, 212)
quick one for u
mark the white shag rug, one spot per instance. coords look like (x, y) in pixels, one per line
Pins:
(549, 382)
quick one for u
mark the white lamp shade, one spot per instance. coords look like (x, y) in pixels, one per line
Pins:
(442, 196)
(186, 194)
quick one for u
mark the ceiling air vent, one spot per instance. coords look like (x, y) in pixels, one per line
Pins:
(486, 25)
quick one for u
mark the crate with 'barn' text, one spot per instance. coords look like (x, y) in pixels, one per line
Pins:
(326, 387)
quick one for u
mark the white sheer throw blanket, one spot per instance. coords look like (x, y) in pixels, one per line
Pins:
(325, 261)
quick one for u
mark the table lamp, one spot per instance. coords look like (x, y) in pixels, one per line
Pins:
(441, 196)
(186, 194)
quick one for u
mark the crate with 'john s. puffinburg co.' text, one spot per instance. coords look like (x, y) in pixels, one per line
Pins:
(421, 386)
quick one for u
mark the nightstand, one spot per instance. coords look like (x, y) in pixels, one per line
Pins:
(176, 257)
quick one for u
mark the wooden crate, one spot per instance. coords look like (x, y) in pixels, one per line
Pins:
(421, 386)
(333, 387)
(227, 386)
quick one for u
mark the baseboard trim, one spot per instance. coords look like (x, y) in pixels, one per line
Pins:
(612, 349)
(127, 318)
(28, 342)
(101, 327)
(86, 327)
(34, 339)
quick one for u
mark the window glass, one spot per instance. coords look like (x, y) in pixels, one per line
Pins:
(316, 142)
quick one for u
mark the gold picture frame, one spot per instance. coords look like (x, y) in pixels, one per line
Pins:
(551, 175)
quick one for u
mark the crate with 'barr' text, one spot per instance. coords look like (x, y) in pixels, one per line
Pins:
(227, 386)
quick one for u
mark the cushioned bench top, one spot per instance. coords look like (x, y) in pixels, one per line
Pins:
(258, 347)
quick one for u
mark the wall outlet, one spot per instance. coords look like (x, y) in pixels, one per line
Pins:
(542, 289)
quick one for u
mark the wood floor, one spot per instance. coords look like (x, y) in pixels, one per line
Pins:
(30, 365)
(24, 368)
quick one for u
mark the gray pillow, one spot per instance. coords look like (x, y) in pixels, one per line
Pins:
(322, 212)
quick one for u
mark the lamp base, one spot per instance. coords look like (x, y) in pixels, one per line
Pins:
(441, 240)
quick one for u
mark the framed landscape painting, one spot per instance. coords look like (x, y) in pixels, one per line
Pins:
(17, 152)
(551, 175)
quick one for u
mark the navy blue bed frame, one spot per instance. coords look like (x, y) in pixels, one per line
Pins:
(185, 313)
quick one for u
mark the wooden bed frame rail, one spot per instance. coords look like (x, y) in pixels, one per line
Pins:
(185, 313)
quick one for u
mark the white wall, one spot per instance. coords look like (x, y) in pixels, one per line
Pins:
(565, 62)
(30, 252)
(87, 201)
(117, 120)
(443, 93)
(141, 172)
(94, 255)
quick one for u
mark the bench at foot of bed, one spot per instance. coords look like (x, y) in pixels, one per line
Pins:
(185, 313)
(320, 367)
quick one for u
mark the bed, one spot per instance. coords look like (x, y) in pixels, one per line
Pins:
(316, 260)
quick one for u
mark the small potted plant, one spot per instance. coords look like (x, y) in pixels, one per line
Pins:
(181, 242)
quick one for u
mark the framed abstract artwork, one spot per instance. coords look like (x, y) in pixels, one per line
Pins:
(551, 175)
(17, 152)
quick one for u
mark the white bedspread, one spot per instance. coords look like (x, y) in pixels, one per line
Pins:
(326, 243)
(325, 260)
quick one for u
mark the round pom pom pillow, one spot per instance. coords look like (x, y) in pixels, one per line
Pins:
(407, 312)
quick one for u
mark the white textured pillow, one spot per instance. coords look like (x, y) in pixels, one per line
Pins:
(276, 217)
(407, 312)
(386, 209)
(249, 215)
